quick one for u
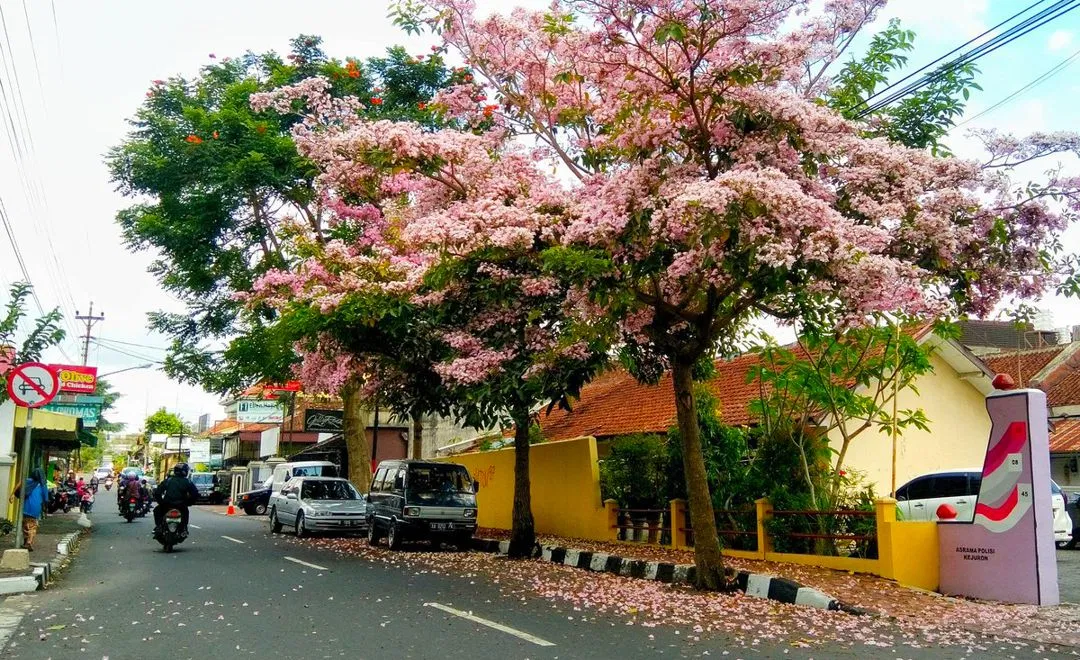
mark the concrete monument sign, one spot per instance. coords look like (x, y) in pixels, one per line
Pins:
(1007, 552)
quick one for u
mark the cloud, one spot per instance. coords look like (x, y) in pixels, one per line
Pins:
(954, 21)
(1059, 39)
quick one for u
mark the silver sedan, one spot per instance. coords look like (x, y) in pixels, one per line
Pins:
(318, 504)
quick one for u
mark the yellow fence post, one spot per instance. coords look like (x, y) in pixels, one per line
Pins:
(884, 520)
(678, 524)
(612, 509)
(763, 509)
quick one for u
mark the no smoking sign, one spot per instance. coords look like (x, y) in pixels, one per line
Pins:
(32, 384)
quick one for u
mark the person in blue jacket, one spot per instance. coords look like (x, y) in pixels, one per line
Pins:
(37, 494)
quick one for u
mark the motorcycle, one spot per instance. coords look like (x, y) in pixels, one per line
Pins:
(108, 483)
(87, 502)
(128, 508)
(144, 507)
(61, 499)
(172, 532)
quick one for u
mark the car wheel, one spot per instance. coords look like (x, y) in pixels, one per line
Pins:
(301, 531)
(372, 533)
(260, 509)
(275, 525)
(1061, 545)
(393, 537)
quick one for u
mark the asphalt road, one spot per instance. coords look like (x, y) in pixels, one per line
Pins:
(233, 590)
(1068, 565)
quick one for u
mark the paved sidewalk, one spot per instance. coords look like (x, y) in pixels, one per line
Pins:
(942, 616)
(50, 531)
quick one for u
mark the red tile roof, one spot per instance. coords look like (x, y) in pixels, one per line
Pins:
(617, 404)
(1065, 436)
(1022, 365)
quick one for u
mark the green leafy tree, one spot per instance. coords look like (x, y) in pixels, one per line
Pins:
(215, 183)
(44, 331)
(165, 422)
(842, 384)
(921, 119)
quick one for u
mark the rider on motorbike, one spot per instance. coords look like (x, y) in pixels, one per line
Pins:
(130, 491)
(176, 492)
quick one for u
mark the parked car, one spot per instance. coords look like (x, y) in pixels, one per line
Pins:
(1063, 524)
(411, 499)
(285, 471)
(256, 502)
(920, 498)
(206, 483)
(318, 504)
(1073, 509)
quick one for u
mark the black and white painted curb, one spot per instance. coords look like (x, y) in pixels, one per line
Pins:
(757, 585)
(42, 572)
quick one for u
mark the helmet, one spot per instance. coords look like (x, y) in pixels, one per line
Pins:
(181, 470)
(142, 481)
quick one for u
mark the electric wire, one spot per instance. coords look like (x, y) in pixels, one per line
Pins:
(98, 343)
(1028, 25)
(926, 66)
(1050, 73)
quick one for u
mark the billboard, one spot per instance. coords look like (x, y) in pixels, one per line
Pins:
(324, 421)
(77, 379)
(268, 441)
(200, 452)
(254, 410)
(204, 423)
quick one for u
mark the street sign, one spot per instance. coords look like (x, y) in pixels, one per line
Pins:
(89, 412)
(289, 386)
(32, 384)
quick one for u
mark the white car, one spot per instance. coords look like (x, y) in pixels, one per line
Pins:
(1063, 524)
(102, 473)
(920, 498)
(318, 504)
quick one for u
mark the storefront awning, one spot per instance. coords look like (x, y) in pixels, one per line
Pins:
(51, 429)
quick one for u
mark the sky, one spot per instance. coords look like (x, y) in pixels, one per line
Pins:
(74, 71)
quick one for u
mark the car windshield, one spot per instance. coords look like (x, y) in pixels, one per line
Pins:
(439, 479)
(203, 479)
(328, 490)
(315, 471)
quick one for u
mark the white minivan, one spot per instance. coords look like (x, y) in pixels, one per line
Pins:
(285, 471)
(920, 498)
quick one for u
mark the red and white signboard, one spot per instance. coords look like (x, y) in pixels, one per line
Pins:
(32, 384)
(77, 379)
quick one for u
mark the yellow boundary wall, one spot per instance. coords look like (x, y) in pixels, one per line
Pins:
(565, 478)
(566, 502)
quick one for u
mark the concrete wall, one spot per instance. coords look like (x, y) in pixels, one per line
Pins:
(565, 480)
(442, 431)
(959, 432)
(1061, 473)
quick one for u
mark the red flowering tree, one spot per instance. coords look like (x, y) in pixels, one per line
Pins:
(711, 187)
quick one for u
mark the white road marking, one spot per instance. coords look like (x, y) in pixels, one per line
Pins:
(194, 526)
(12, 611)
(304, 563)
(491, 624)
(229, 538)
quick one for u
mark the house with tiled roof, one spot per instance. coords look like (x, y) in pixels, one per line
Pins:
(952, 396)
(1056, 371)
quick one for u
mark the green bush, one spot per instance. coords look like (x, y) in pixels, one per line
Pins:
(635, 473)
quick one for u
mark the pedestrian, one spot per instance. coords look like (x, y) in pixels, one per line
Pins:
(37, 495)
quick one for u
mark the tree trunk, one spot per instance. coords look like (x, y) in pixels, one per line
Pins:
(707, 557)
(356, 439)
(523, 533)
(417, 437)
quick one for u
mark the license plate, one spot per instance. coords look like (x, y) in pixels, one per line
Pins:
(442, 526)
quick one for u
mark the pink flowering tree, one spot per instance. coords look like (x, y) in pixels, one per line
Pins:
(710, 186)
(436, 277)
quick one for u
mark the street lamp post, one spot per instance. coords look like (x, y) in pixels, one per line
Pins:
(120, 371)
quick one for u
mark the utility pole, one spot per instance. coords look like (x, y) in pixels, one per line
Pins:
(89, 320)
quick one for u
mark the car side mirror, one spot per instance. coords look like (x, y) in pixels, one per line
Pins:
(476, 487)
(290, 496)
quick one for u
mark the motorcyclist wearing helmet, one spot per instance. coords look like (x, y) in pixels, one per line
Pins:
(175, 492)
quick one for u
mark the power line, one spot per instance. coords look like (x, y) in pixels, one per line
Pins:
(128, 343)
(123, 352)
(1050, 73)
(33, 51)
(930, 64)
(1015, 32)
